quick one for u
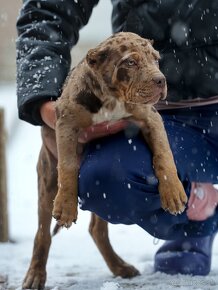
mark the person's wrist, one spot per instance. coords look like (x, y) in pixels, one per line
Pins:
(48, 115)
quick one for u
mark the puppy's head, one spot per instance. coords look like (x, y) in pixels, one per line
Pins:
(128, 66)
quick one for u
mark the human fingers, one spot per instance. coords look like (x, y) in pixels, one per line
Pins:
(101, 130)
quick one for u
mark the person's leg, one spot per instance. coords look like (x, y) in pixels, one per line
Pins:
(117, 181)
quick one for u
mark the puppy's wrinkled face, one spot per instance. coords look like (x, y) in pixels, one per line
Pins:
(128, 66)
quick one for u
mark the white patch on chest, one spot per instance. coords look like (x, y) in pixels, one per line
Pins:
(105, 114)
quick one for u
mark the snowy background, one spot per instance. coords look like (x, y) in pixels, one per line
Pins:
(74, 261)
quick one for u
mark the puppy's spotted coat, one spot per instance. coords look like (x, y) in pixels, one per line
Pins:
(118, 79)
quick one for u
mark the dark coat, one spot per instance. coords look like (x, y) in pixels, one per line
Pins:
(184, 31)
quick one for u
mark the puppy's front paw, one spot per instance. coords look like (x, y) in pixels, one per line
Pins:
(65, 210)
(173, 196)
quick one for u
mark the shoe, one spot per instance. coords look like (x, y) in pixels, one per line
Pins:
(190, 256)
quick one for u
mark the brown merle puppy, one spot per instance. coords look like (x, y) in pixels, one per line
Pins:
(118, 79)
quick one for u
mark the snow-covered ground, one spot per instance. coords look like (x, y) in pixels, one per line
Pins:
(74, 261)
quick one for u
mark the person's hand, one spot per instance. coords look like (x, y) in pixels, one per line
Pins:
(101, 130)
(48, 115)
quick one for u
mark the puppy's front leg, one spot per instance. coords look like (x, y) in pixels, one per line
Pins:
(172, 194)
(70, 119)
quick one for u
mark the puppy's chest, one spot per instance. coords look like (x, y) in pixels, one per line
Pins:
(110, 111)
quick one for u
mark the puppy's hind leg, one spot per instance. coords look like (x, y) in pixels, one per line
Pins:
(98, 229)
(47, 187)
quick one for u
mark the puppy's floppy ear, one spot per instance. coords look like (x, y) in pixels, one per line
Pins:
(91, 57)
(96, 57)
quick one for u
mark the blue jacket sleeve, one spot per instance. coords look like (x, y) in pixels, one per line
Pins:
(47, 30)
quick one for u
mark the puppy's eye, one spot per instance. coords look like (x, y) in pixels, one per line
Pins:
(130, 62)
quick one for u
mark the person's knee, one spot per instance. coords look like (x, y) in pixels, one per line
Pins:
(109, 185)
(117, 173)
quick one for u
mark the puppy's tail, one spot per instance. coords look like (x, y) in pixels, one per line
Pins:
(56, 229)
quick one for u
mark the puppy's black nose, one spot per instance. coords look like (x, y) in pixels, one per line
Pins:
(159, 80)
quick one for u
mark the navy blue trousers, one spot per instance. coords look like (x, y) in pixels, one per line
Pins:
(117, 180)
